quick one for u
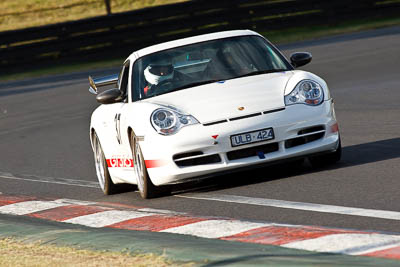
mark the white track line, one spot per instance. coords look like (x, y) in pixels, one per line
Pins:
(27, 207)
(215, 228)
(382, 214)
(105, 218)
(51, 180)
(74, 202)
(158, 211)
(351, 244)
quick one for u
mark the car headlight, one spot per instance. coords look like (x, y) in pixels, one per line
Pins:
(306, 92)
(167, 121)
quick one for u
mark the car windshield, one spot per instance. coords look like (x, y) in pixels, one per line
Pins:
(201, 63)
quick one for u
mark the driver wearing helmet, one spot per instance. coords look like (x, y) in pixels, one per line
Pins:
(157, 75)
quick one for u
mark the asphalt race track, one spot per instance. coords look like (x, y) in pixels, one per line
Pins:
(45, 150)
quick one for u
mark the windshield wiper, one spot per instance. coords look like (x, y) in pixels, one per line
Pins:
(257, 72)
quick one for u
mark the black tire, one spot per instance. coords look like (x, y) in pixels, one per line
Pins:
(327, 159)
(146, 188)
(103, 176)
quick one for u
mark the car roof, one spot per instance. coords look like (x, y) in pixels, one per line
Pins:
(190, 40)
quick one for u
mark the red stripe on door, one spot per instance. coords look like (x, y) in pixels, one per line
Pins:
(120, 162)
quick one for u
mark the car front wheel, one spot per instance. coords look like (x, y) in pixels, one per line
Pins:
(146, 188)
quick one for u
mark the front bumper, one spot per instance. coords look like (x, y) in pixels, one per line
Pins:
(194, 151)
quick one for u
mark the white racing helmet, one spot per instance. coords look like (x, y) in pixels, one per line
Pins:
(157, 73)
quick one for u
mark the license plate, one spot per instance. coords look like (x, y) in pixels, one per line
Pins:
(252, 137)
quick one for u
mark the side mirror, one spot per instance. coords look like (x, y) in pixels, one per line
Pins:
(103, 81)
(110, 96)
(300, 59)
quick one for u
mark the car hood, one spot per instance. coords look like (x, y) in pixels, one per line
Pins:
(231, 98)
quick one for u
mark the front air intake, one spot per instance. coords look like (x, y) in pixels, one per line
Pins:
(195, 159)
(306, 135)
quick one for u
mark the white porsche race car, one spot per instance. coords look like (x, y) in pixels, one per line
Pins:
(201, 106)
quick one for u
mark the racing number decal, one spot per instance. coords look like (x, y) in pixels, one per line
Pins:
(117, 120)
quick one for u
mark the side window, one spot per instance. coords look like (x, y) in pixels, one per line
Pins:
(138, 81)
(123, 79)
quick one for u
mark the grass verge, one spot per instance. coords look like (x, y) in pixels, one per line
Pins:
(16, 253)
(19, 14)
(278, 37)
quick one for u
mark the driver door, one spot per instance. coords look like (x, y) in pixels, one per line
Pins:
(118, 159)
